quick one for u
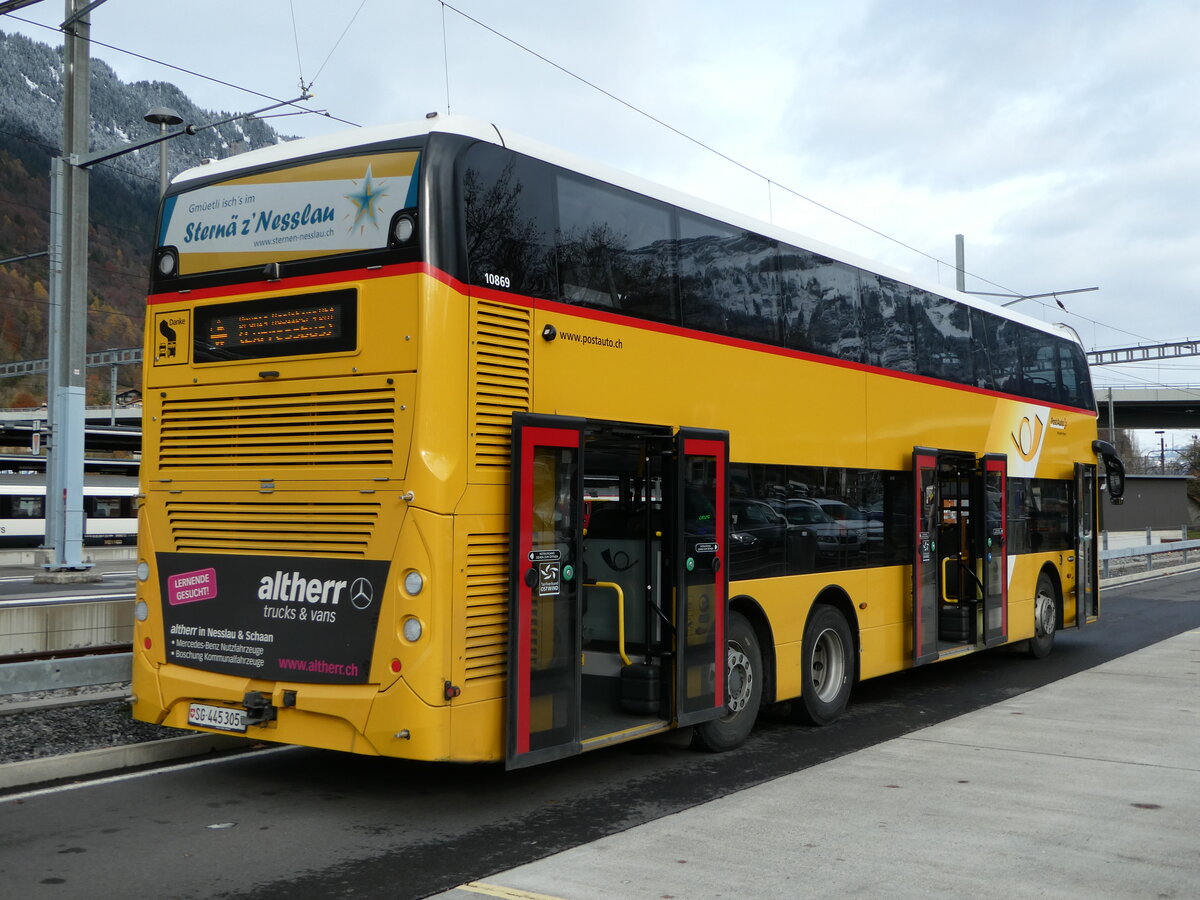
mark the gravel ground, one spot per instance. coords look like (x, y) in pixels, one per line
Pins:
(35, 734)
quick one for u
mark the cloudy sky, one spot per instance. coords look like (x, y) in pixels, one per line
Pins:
(1059, 136)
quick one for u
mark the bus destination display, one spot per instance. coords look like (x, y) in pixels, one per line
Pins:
(284, 327)
(314, 323)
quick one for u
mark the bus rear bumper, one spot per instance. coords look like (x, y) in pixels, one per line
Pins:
(350, 718)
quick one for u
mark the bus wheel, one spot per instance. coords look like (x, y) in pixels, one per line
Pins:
(1045, 618)
(826, 668)
(743, 691)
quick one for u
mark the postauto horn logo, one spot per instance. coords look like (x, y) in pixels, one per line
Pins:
(1028, 436)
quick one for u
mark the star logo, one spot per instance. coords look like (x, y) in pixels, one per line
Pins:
(366, 202)
(361, 593)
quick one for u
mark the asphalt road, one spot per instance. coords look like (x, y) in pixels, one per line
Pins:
(309, 823)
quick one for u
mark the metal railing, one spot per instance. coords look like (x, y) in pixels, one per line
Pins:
(71, 672)
(1149, 550)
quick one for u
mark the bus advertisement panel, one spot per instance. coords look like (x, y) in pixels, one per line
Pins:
(319, 209)
(271, 617)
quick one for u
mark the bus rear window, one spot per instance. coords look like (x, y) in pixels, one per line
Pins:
(325, 322)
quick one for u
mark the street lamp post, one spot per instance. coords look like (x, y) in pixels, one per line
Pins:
(1162, 452)
(163, 116)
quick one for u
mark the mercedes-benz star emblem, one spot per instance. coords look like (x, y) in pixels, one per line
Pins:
(361, 593)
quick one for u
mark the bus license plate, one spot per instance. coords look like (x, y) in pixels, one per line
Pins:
(222, 718)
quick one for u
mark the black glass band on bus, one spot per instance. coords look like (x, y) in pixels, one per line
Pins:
(532, 228)
(324, 322)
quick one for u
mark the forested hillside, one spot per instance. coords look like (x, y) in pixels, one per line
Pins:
(123, 201)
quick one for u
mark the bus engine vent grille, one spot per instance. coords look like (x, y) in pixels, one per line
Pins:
(486, 652)
(500, 378)
(338, 528)
(328, 427)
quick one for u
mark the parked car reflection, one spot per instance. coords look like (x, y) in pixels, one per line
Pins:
(758, 537)
(835, 542)
(853, 519)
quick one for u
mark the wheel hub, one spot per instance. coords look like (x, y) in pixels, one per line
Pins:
(828, 664)
(1045, 615)
(740, 679)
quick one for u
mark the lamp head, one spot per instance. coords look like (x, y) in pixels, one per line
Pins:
(163, 115)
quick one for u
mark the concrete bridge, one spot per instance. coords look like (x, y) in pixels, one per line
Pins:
(1150, 408)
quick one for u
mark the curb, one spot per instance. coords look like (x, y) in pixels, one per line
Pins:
(89, 762)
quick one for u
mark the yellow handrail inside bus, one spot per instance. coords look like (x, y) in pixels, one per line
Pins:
(982, 590)
(620, 616)
(946, 579)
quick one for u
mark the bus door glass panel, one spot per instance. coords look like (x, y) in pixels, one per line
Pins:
(627, 638)
(701, 542)
(962, 548)
(1086, 575)
(543, 671)
(926, 588)
(994, 543)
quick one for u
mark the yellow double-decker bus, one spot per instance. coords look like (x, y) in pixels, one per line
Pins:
(456, 448)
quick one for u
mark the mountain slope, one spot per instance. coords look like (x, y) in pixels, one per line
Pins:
(123, 199)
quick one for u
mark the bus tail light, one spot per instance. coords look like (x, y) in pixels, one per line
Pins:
(412, 630)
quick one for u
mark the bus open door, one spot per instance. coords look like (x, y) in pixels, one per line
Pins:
(960, 554)
(616, 629)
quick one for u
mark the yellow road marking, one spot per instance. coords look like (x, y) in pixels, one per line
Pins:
(496, 890)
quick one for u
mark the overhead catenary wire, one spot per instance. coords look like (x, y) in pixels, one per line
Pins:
(338, 42)
(296, 39)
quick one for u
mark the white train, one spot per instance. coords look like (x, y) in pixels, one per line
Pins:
(109, 508)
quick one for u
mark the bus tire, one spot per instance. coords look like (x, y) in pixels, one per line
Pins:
(826, 668)
(743, 691)
(1045, 618)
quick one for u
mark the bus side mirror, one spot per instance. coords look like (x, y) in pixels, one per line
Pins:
(1114, 469)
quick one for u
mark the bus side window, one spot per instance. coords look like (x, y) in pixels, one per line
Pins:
(887, 323)
(508, 210)
(1039, 366)
(821, 305)
(615, 250)
(943, 334)
(729, 279)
